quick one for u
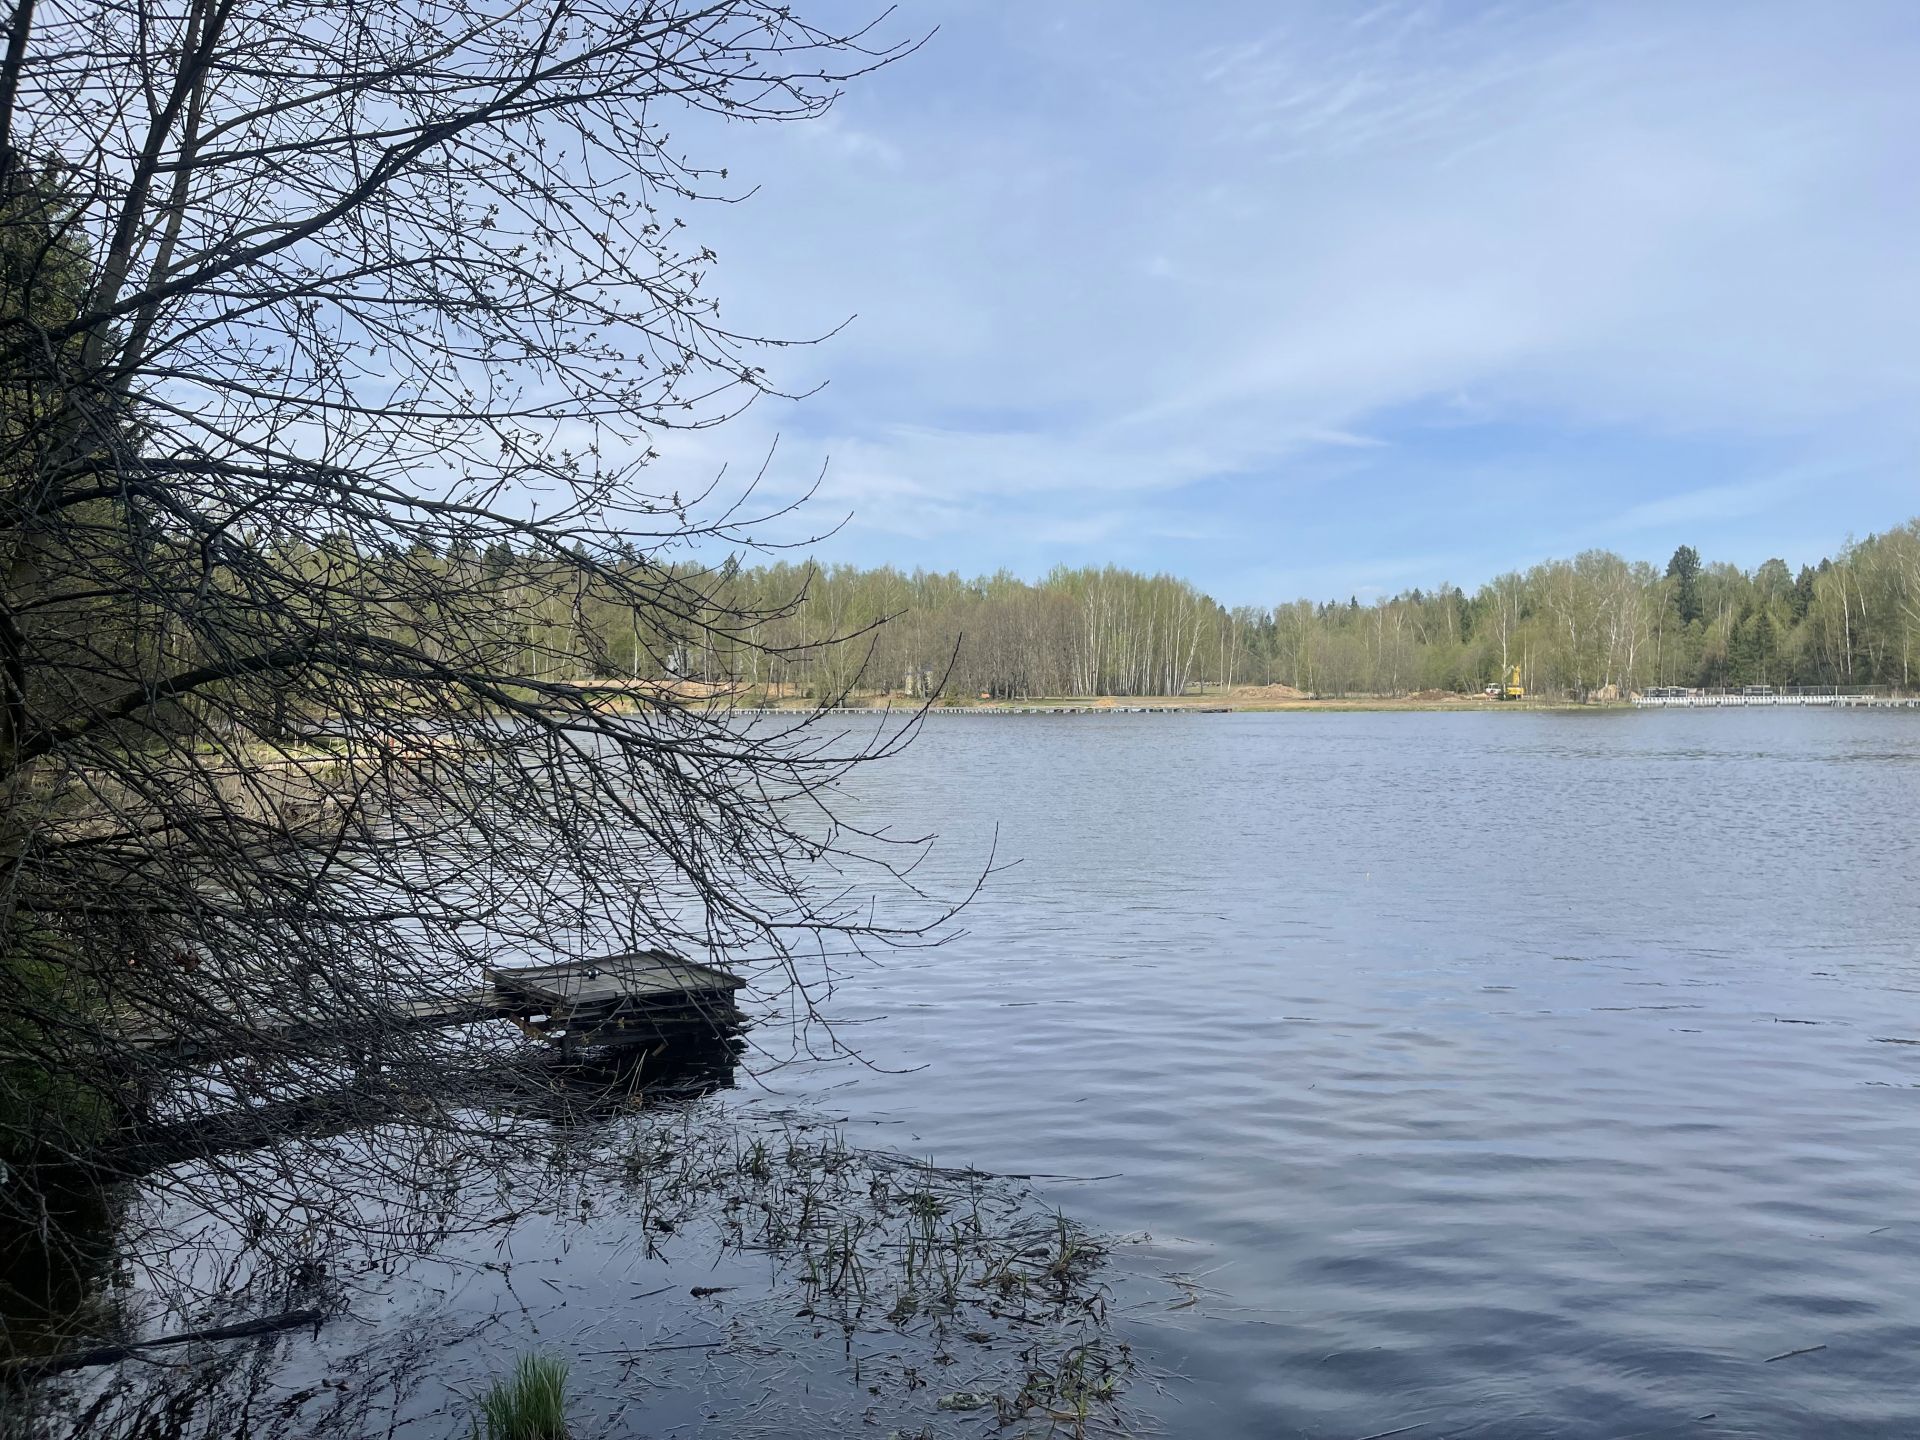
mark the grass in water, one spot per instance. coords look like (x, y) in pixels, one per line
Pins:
(532, 1405)
(1006, 1298)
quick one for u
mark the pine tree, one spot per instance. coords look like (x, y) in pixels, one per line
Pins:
(1684, 570)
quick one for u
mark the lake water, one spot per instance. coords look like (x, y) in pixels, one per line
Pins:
(1505, 1074)
(1482, 1074)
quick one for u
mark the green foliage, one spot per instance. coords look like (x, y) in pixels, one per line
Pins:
(1684, 571)
(1574, 626)
(529, 1405)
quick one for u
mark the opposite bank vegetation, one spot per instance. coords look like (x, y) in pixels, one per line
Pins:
(1592, 624)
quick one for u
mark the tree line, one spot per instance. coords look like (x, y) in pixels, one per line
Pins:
(1591, 625)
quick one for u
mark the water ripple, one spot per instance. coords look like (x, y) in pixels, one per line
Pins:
(1516, 1075)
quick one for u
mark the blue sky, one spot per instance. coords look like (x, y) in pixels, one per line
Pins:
(1341, 298)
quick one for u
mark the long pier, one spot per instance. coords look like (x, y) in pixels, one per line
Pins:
(1078, 709)
(1678, 698)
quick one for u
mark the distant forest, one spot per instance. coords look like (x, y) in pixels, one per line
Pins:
(1574, 627)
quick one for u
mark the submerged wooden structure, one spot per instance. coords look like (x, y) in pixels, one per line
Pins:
(612, 1025)
(638, 998)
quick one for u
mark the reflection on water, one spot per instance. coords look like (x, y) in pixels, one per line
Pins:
(88, 1274)
(568, 1089)
(679, 1255)
(1488, 1075)
(730, 1264)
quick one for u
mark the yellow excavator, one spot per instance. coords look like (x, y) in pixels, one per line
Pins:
(1508, 689)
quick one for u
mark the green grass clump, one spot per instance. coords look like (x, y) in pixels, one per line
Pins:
(532, 1405)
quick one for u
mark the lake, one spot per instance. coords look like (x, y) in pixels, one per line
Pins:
(1505, 1074)
(1480, 1074)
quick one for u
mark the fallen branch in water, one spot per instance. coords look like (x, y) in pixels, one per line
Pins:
(1791, 1353)
(108, 1354)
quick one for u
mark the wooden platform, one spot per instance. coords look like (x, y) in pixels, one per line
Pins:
(610, 979)
(617, 999)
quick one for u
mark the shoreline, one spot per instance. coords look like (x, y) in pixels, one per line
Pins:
(1251, 699)
(1202, 705)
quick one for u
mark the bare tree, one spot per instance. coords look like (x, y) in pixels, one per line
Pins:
(333, 342)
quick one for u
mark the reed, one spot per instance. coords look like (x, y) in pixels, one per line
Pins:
(531, 1404)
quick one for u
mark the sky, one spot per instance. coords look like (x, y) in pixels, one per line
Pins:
(1330, 299)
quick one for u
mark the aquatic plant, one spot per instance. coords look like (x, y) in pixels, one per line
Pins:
(876, 1241)
(529, 1405)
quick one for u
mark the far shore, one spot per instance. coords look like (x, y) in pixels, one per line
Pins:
(1229, 702)
(1237, 698)
(1304, 702)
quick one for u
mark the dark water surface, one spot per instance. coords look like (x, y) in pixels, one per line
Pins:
(1503, 1074)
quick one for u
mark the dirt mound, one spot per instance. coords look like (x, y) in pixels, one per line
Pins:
(1267, 692)
(1428, 697)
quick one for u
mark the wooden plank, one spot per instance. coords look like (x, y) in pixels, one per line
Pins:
(238, 1030)
(612, 980)
(643, 967)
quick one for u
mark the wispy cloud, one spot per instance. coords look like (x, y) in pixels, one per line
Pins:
(1705, 506)
(1211, 253)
